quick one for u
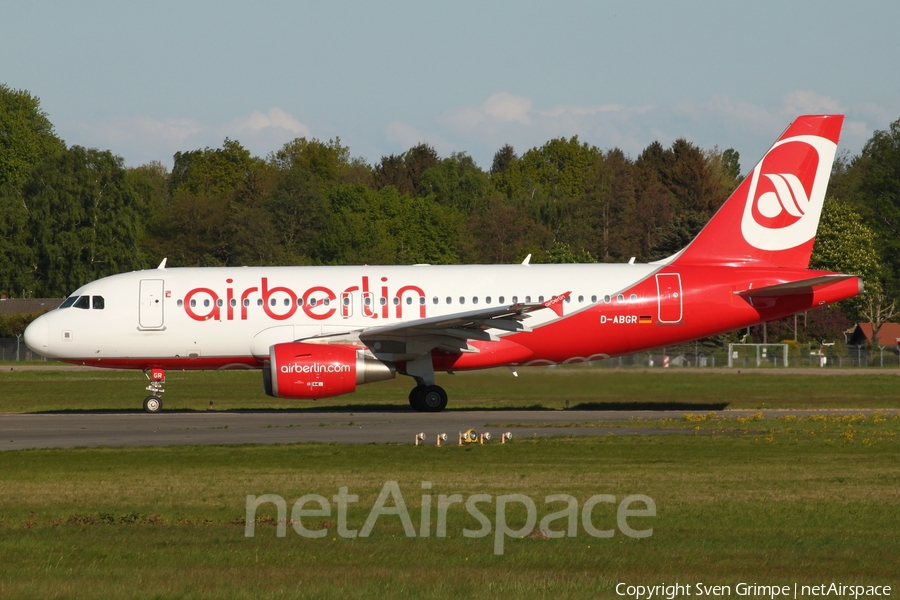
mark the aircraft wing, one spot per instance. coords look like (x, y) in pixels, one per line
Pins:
(452, 332)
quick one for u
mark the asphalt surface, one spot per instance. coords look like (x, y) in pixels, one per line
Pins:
(132, 429)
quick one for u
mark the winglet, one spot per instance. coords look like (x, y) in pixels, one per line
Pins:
(527, 260)
(556, 303)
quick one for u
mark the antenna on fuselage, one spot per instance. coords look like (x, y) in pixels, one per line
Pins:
(527, 260)
(162, 265)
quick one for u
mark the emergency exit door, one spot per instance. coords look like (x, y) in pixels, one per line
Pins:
(668, 288)
(150, 313)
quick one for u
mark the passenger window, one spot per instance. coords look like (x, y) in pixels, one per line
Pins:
(180, 303)
(500, 300)
(346, 300)
(449, 300)
(273, 302)
(487, 300)
(580, 299)
(313, 301)
(540, 298)
(515, 299)
(326, 301)
(97, 302)
(193, 303)
(527, 298)
(396, 301)
(435, 300)
(232, 302)
(382, 301)
(462, 300)
(83, 302)
(408, 300)
(422, 300)
(246, 301)
(607, 299)
(475, 300)
(69, 302)
(259, 302)
(287, 301)
(633, 297)
(620, 298)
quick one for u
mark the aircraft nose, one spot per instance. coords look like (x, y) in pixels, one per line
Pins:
(37, 336)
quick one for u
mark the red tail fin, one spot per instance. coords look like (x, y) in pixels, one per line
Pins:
(773, 214)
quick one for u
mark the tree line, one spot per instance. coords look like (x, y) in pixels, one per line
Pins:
(69, 215)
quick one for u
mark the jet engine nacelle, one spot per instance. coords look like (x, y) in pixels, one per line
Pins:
(303, 370)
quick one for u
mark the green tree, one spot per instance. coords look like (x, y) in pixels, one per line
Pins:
(846, 245)
(386, 227)
(83, 220)
(217, 215)
(26, 135)
(212, 171)
(457, 182)
(405, 172)
(17, 258)
(603, 220)
(878, 197)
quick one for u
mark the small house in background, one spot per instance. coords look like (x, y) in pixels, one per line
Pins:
(888, 335)
(28, 306)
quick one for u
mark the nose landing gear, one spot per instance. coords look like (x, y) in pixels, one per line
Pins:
(153, 403)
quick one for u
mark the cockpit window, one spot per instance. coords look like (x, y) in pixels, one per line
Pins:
(83, 302)
(68, 302)
(97, 302)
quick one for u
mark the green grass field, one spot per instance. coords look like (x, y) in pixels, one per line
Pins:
(804, 502)
(780, 501)
(26, 391)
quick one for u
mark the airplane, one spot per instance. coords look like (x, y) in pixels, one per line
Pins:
(317, 332)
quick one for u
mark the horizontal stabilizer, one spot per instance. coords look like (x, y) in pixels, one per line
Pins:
(803, 286)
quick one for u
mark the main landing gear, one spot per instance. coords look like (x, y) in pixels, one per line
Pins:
(428, 398)
(153, 403)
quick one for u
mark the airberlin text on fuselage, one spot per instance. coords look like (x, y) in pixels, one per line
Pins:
(235, 306)
(314, 368)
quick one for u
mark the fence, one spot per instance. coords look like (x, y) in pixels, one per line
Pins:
(747, 357)
(14, 349)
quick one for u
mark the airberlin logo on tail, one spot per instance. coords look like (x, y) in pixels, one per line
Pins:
(787, 189)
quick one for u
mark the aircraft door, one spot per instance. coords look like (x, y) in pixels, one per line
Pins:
(668, 288)
(150, 314)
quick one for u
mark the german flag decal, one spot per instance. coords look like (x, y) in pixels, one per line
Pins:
(645, 320)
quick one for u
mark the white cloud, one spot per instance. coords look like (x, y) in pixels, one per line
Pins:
(142, 139)
(719, 120)
(403, 134)
(275, 120)
(505, 108)
(498, 109)
(132, 131)
(805, 102)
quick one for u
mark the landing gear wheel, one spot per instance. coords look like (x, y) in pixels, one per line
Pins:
(152, 404)
(433, 399)
(415, 398)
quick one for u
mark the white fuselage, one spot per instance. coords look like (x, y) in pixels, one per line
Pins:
(234, 315)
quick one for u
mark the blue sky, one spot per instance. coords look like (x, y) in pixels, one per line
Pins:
(148, 79)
